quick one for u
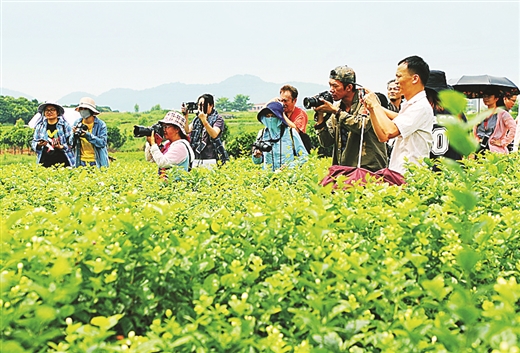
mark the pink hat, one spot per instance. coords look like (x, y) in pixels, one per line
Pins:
(175, 118)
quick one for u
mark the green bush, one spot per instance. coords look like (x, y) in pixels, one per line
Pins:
(240, 146)
(245, 260)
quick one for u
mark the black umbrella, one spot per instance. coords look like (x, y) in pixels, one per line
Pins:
(475, 86)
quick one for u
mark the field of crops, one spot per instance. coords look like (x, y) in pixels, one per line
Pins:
(244, 260)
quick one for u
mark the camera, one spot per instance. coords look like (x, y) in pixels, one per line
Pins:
(80, 129)
(484, 142)
(142, 131)
(263, 146)
(312, 102)
(191, 107)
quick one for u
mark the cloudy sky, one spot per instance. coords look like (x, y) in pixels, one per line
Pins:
(52, 48)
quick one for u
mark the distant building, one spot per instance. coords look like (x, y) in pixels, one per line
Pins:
(257, 107)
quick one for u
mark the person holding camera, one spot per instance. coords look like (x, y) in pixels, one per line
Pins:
(90, 136)
(498, 129)
(277, 145)
(205, 132)
(176, 151)
(340, 124)
(51, 137)
(412, 126)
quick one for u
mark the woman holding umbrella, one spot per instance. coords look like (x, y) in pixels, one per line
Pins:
(498, 130)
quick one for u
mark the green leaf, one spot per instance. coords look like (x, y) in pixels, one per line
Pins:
(106, 323)
(460, 138)
(466, 199)
(455, 102)
(467, 259)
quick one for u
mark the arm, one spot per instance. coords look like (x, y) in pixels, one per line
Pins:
(257, 155)
(301, 120)
(147, 154)
(384, 127)
(213, 131)
(509, 131)
(99, 140)
(175, 155)
(326, 130)
(187, 125)
(289, 122)
(36, 143)
(67, 129)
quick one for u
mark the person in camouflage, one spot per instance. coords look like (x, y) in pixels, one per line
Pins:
(347, 118)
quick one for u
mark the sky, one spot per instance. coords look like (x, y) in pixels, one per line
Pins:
(52, 48)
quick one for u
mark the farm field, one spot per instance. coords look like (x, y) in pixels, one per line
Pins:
(245, 260)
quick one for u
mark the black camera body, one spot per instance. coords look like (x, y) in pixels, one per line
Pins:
(191, 107)
(484, 143)
(142, 131)
(263, 146)
(312, 102)
(80, 129)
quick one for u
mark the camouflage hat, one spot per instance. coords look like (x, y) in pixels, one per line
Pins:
(343, 74)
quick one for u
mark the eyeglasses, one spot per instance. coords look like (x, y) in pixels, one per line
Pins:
(47, 110)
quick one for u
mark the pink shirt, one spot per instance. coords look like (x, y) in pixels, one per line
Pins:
(299, 118)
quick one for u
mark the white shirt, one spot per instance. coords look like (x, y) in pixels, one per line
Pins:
(415, 123)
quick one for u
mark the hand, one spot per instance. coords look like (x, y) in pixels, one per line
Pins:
(326, 107)
(183, 109)
(370, 100)
(151, 138)
(203, 117)
(495, 142)
(41, 143)
(257, 153)
(82, 132)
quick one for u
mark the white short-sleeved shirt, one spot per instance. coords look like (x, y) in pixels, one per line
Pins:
(415, 123)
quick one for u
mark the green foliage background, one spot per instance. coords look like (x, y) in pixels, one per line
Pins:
(245, 260)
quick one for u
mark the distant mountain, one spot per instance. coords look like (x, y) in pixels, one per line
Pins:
(15, 94)
(171, 95)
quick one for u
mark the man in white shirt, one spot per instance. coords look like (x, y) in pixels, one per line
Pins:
(412, 126)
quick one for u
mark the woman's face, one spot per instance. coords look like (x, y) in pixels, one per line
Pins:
(50, 112)
(169, 131)
(490, 100)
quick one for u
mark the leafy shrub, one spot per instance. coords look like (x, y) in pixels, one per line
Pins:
(240, 146)
(115, 138)
(245, 260)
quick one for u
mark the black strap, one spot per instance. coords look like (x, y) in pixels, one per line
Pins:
(292, 139)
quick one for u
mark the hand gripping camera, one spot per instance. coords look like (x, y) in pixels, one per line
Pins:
(142, 131)
(312, 102)
(263, 146)
(80, 129)
(191, 107)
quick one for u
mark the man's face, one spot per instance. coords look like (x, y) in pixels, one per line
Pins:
(405, 80)
(287, 101)
(337, 90)
(394, 93)
(509, 102)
